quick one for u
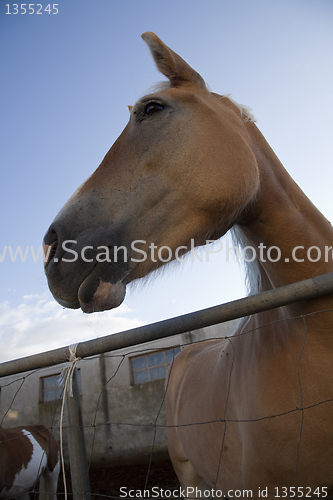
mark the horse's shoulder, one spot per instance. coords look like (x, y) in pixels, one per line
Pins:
(46, 440)
(193, 357)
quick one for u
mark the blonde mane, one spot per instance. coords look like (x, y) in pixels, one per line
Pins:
(246, 112)
(251, 267)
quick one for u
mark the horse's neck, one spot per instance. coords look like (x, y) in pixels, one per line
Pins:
(282, 216)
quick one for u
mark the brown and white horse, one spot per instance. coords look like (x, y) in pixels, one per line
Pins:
(28, 454)
(254, 411)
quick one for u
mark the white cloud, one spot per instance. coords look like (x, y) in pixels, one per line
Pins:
(39, 324)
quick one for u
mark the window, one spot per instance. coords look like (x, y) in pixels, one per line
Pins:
(152, 366)
(51, 387)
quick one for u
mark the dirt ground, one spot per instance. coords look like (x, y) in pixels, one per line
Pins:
(106, 482)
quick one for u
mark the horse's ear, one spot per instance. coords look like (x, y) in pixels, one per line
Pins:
(171, 64)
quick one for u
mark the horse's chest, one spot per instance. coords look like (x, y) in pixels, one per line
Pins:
(25, 477)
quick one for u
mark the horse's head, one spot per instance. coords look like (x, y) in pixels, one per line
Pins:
(182, 169)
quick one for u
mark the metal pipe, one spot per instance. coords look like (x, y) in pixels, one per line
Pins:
(277, 297)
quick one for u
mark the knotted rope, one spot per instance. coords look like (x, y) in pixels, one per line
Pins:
(66, 380)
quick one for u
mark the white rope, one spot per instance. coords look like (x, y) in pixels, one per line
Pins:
(66, 380)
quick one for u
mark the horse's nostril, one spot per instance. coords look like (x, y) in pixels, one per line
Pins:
(49, 252)
(50, 244)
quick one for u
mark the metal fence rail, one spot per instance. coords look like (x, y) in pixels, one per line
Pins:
(289, 294)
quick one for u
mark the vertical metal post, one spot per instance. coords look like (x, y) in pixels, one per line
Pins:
(105, 405)
(76, 444)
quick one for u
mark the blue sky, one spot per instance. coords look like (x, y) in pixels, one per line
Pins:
(66, 81)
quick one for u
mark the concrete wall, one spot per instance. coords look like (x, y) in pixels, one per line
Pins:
(118, 416)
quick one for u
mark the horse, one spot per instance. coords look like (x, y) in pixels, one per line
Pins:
(250, 415)
(28, 454)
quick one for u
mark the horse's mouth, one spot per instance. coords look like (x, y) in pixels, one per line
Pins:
(103, 286)
(107, 296)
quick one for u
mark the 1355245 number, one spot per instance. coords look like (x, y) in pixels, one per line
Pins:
(301, 492)
(31, 8)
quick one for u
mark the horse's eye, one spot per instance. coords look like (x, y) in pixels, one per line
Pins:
(152, 108)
